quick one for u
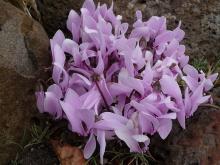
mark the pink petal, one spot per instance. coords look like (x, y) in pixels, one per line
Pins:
(40, 100)
(125, 135)
(52, 105)
(111, 116)
(170, 86)
(100, 67)
(168, 116)
(179, 33)
(141, 138)
(145, 108)
(88, 117)
(89, 147)
(131, 82)
(72, 116)
(72, 98)
(59, 56)
(164, 128)
(59, 37)
(181, 117)
(148, 75)
(105, 91)
(73, 17)
(102, 144)
(118, 89)
(90, 99)
(68, 46)
(89, 4)
(191, 71)
(213, 77)
(56, 90)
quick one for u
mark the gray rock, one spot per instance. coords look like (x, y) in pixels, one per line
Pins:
(198, 144)
(23, 57)
(200, 19)
(54, 13)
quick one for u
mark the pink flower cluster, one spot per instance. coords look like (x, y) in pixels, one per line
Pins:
(110, 84)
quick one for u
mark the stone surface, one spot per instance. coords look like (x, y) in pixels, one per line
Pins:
(199, 144)
(55, 12)
(200, 19)
(23, 57)
(29, 7)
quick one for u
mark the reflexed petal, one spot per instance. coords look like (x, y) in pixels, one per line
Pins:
(60, 75)
(118, 89)
(100, 67)
(59, 37)
(137, 57)
(68, 46)
(52, 105)
(90, 99)
(170, 86)
(208, 85)
(102, 144)
(89, 147)
(76, 31)
(179, 34)
(56, 90)
(89, 4)
(107, 125)
(72, 98)
(125, 135)
(40, 101)
(148, 75)
(105, 91)
(73, 24)
(164, 37)
(147, 118)
(181, 117)
(171, 48)
(72, 116)
(111, 116)
(191, 82)
(164, 128)
(213, 77)
(130, 82)
(191, 71)
(73, 17)
(88, 117)
(168, 116)
(139, 14)
(187, 102)
(59, 56)
(145, 108)
(141, 138)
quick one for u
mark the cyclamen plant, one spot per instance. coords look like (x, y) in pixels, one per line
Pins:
(110, 84)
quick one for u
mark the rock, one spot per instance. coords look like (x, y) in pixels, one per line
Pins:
(54, 13)
(200, 20)
(216, 95)
(199, 144)
(23, 57)
(29, 7)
